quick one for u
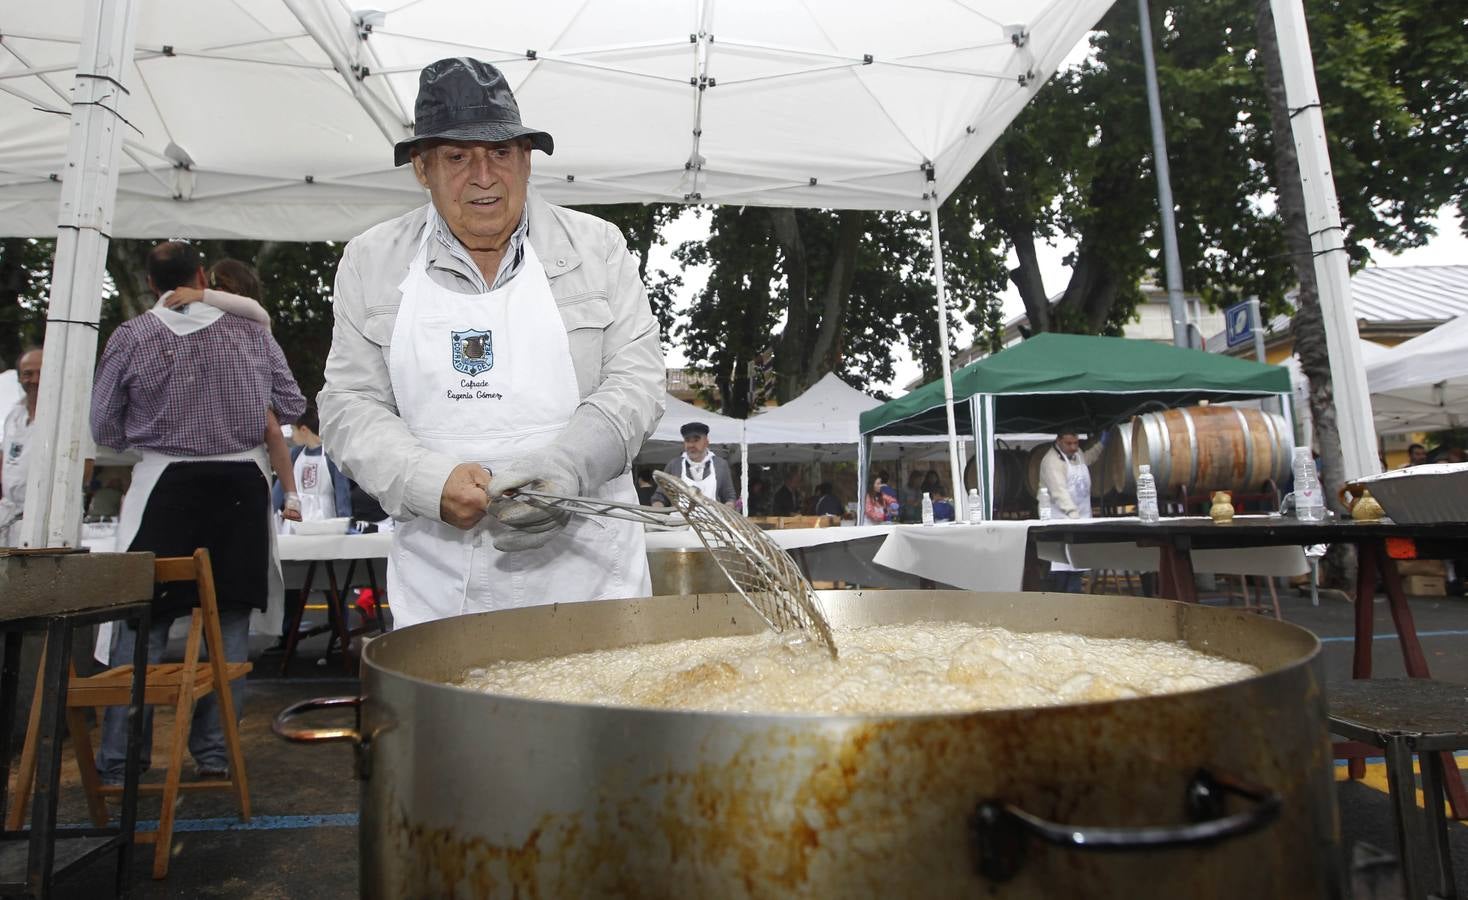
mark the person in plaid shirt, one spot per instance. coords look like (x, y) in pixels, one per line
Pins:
(188, 389)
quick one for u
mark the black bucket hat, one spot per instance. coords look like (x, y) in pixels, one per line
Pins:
(463, 99)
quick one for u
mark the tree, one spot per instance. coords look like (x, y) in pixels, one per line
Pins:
(25, 280)
(826, 291)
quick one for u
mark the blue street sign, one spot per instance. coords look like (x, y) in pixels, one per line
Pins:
(1238, 324)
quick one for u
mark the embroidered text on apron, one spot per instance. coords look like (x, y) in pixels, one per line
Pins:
(484, 378)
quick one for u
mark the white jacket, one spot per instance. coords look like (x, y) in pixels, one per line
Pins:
(613, 341)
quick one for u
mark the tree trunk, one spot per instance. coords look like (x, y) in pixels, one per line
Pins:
(128, 266)
(825, 353)
(1026, 276)
(792, 349)
(1308, 324)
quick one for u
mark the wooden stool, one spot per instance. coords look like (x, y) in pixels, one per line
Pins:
(1409, 717)
(179, 685)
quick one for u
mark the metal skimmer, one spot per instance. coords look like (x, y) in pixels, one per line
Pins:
(765, 575)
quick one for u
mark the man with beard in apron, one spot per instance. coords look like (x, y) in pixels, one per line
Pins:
(699, 467)
(188, 389)
(1065, 472)
(485, 342)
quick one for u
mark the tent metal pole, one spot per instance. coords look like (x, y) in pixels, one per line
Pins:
(61, 439)
(956, 473)
(387, 121)
(1322, 214)
(1171, 261)
(863, 476)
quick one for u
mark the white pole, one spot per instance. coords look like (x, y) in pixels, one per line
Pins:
(1322, 213)
(959, 501)
(60, 439)
(744, 468)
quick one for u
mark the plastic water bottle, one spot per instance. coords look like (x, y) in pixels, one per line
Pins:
(1042, 499)
(1147, 495)
(927, 509)
(1309, 499)
(975, 507)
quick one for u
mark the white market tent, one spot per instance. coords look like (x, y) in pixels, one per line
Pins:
(273, 119)
(1422, 384)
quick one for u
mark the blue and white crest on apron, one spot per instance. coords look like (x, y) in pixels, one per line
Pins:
(473, 351)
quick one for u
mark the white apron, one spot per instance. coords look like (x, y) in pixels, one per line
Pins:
(1078, 484)
(708, 484)
(145, 477)
(483, 378)
(13, 474)
(314, 487)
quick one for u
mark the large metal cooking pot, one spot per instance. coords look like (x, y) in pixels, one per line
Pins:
(1224, 792)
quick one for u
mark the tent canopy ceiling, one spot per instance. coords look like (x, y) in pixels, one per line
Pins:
(274, 119)
(1055, 382)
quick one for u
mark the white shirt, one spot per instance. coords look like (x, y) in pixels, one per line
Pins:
(16, 435)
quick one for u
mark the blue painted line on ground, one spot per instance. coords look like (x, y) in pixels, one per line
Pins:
(1454, 632)
(260, 823)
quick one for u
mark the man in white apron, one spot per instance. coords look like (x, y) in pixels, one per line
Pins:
(485, 342)
(15, 432)
(322, 491)
(1065, 472)
(699, 467)
(188, 389)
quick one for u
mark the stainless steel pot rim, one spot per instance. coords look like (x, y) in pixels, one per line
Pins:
(1304, 659)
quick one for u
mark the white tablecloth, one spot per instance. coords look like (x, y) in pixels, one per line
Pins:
(307, 547)
(985, 557)
(990, 557)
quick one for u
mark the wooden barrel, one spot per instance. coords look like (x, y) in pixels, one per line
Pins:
(1116, 463)
(1212, 448)
(1011, 492)
(1032, 467)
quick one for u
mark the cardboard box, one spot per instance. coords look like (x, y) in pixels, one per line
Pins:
(1434, 567)
(1425, 585)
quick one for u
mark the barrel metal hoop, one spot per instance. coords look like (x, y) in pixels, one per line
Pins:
(1250, 484)
(1192, 480)
(1158, 437)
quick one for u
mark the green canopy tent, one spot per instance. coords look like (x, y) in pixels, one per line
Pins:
(1067, 382)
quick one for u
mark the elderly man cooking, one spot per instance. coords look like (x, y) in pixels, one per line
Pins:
(485, 342)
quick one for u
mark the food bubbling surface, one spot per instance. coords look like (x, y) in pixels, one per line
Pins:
(925, 667)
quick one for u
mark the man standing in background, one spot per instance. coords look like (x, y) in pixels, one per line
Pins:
(188, 389)
(14, 437)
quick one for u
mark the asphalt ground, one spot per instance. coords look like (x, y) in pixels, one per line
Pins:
(302, 838)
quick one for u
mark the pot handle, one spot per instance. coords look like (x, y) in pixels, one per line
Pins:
(282, 727)
(999, 829)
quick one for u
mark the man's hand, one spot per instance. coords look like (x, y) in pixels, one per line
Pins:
(530, 526)
(291, 509)
(464, 496)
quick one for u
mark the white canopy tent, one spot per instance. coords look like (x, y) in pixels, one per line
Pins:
(273, 119)
(1422, 384)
